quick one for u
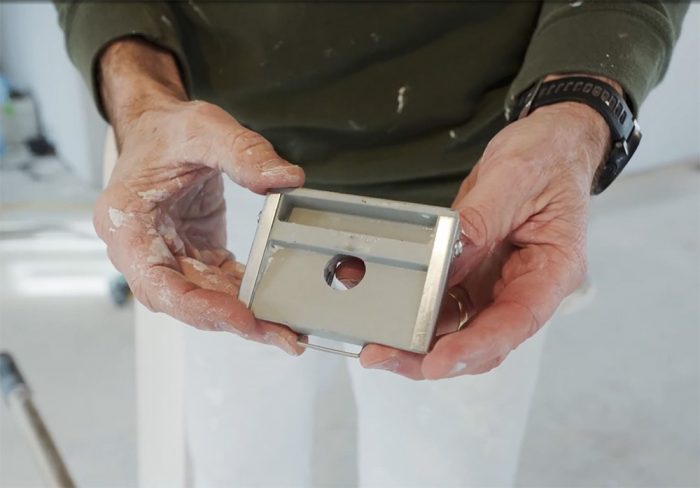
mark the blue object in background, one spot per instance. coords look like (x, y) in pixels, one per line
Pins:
(4, 105)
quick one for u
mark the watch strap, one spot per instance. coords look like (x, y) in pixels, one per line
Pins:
(624, 130)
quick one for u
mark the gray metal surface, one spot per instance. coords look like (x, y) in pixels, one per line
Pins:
(406, 250)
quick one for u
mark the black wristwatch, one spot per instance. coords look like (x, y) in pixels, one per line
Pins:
(624, 129)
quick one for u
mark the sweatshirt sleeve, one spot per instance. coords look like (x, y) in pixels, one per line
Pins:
(89, 27)
(629, 42)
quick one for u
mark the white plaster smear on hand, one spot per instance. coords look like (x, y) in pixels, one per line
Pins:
(117, 217)
(240, 267)
(458, 367)
(165, 295)
(154, 195)
(160, 253)
(198, 265)
(167, 231)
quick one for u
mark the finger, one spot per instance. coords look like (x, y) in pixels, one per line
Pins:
(535, 280)
(154, 276)
(216, 257)
(456, 308)
(277, 335)
(163, 289)
(449, 316)
(252, 162)
(215, 278)
(375, 356)
(234, 268)
(214, 138)
(208, 277)
(488, 212)
(190, 290)
(404, 363)
(350, 272)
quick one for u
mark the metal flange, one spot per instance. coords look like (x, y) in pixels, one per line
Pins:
(406, 250)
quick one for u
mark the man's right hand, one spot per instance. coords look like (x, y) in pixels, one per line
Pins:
(162, 212)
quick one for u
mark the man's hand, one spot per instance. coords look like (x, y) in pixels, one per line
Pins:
(162, 212)
(523, 215)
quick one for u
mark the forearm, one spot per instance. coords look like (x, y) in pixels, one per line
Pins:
(135, 76)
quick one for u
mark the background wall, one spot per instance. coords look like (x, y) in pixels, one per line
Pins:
(39, 63)
(34, 58)
(670, 118)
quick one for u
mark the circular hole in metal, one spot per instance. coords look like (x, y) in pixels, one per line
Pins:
(344, 272)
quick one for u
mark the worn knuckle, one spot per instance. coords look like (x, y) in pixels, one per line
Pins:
(204, 109)
(246, 142)
(474, 226)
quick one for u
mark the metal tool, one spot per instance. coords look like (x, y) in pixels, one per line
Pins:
(18, 398)
(304, 235)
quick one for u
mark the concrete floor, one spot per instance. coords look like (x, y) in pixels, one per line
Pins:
(618, 400)
(617, 404)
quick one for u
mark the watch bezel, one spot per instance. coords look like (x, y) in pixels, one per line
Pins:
(621, 152)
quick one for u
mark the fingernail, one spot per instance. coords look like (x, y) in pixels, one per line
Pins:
(458, 368)
(279, 341)
(391, 364)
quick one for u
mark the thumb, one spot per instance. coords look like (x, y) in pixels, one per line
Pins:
(254, 164)
(488, 213)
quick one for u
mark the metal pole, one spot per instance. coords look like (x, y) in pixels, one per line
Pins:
(18, 398)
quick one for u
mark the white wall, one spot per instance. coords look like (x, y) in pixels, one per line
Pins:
(670, 118)
(34, 58)
(33, 55)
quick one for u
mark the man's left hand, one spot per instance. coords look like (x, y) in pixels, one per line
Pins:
(524, 212)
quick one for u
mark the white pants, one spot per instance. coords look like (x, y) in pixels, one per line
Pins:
(254, 416)
(257, 417)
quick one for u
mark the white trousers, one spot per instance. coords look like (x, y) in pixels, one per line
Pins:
(254, 416)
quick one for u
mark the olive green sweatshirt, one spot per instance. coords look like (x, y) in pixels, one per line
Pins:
(388, 99)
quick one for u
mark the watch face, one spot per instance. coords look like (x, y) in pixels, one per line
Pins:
(519, 107)
(620, 154)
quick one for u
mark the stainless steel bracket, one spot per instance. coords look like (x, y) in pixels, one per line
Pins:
(406, 249)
